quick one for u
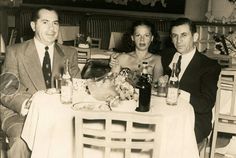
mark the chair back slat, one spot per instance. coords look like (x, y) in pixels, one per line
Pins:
(225, 108)
(12, 37)
(226, 87)
(96, 43)
(130, 132)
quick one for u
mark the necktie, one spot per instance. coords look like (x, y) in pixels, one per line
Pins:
(47, 68)
(178, 66)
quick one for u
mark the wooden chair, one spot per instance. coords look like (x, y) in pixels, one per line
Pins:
(225, 114)
(67, 35)
(95, 43)
(13, 37)
(84, 54)
(2, 45)
(130, 133)
(115, 40)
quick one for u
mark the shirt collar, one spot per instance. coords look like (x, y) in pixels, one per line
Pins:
(41, 46)
(190, 54)
(185, 57)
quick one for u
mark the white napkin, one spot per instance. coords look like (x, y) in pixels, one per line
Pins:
(184, 95)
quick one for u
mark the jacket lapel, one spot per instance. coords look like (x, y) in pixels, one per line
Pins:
(33, 67)
(58, 62)
(191, 68)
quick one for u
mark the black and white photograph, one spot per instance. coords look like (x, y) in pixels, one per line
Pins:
(117, 79)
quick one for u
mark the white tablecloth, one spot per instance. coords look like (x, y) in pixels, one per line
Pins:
(49, 130)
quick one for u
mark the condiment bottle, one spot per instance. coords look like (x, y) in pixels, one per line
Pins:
(66, 85)
(173, 87)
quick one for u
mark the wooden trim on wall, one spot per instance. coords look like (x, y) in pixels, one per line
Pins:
(116, 13)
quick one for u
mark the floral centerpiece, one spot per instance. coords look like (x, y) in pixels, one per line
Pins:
(115, 87)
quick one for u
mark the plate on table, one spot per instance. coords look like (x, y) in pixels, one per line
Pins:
(91, 106)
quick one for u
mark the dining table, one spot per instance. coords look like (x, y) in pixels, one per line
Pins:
(49, 129)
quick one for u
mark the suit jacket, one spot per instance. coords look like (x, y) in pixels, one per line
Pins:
(23, 61)
(200, 80)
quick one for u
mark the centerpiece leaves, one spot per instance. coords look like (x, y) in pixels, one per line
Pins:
(225, 44)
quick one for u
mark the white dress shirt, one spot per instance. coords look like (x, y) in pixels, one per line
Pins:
(41, 51)
(186, 58)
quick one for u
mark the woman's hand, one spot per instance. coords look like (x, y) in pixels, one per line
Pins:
(114, 63)
(113, 60)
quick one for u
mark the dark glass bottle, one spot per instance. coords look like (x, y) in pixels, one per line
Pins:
(144, 87)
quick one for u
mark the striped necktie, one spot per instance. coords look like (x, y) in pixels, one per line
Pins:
(178, 66)
(47, 74)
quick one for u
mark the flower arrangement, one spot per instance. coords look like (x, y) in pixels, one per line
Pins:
(115, 87)
(123, 85)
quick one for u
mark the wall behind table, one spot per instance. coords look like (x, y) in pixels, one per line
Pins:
(100, 23)
(96, 25)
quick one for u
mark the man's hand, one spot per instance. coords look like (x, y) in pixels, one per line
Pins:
(27, 103)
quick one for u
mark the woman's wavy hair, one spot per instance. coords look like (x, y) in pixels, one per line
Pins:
(129, 45)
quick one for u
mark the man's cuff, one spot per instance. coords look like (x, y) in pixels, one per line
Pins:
(25, 108)
(185, 95)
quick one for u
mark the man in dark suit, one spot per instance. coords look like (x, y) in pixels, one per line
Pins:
(198, 74)
(27, 62)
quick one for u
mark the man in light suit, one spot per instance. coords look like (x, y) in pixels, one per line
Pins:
(198, 74)
(25, 62)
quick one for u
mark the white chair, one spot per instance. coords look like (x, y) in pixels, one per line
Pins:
(84, 54)
(67, 35)
(115, 40)
(96, 43)
(225, 109)
(2, 45)
(133, 134)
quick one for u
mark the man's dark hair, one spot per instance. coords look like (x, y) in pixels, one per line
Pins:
(182, 21)
(35, 14)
